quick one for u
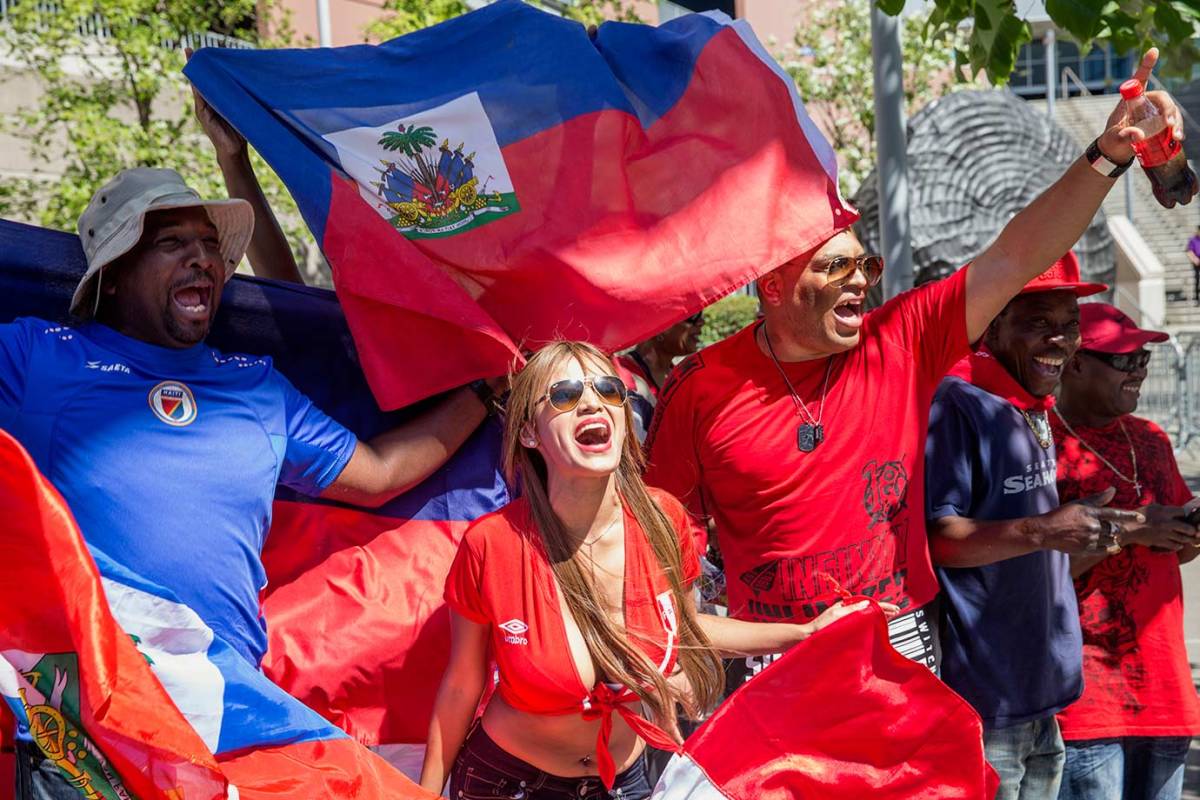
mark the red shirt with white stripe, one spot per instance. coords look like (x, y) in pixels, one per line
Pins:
(502, 578)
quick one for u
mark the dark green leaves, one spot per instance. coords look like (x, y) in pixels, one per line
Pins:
(996, 38)
(1080, 18)
(1130, 26)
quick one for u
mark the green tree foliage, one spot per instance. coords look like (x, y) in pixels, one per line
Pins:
(997, 33)
(406, 16)
(831, 64)
(111, 95)
(727, 316)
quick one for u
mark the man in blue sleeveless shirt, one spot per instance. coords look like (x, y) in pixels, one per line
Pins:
(1011, 644)
(168, 451)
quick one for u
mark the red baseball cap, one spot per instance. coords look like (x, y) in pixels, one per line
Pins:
(1063, 274)
(1107, 329)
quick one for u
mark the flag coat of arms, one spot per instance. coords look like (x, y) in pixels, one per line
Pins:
(502, 179)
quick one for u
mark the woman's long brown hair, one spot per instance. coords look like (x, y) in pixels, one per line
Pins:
(617, 657)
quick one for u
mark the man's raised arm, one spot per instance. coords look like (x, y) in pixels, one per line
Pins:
(269, 253)
(1040, 234)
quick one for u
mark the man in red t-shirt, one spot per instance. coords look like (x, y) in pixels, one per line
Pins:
(803, 436)
(1128, 736)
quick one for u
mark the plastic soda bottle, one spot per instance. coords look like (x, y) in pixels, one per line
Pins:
(1160, 153)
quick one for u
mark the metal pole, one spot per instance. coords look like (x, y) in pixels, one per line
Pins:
(324, 28)
(1128, 196)
(891, 148)
(1048, 42)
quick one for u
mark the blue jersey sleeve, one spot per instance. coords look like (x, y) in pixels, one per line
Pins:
(951, 458)
(318, 448)
(16, 347)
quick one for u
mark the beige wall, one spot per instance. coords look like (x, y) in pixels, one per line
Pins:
(348, 19)
(774, 21)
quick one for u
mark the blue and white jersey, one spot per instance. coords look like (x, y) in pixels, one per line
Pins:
(168, 458)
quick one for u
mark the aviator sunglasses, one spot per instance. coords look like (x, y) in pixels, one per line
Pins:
(564, 395)
(1123, 362)
(842, 268)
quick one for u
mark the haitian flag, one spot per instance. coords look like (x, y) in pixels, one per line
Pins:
(134, 702)
(503, 179)
(841, 716)
(358, 629)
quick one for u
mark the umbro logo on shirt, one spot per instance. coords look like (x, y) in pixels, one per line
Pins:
(513, 630)
(173, 403)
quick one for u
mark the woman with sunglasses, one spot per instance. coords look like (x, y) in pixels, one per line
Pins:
(580, 592)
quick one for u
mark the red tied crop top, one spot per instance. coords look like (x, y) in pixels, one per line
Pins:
(501, 577)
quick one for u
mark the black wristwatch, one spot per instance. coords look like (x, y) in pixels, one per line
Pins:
(1102, 163)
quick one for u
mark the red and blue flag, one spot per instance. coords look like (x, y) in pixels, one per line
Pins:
(357, 626)
(503, 178)
(130, 694)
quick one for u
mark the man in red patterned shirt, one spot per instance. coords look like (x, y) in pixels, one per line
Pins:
(1128, 736)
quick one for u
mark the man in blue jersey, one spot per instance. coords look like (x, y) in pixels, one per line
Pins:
(168, 451)
(1011, 644)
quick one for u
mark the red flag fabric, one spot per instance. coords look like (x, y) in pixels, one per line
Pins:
(90, 692)
(842, 716)
(88, 695)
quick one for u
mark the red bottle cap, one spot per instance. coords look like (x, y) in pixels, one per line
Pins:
(1132, 88)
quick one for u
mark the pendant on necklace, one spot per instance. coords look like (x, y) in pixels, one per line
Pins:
(809, 436)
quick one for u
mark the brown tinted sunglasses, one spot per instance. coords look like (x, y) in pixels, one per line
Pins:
(841, 269)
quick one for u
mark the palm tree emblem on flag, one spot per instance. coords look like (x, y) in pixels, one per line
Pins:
(412, 175)
(433, 191)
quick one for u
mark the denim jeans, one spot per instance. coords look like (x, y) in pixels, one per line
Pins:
(1130, 768)
(38, 778)
(484, 770)
(1028, 758)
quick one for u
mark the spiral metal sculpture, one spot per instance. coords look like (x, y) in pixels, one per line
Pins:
(976, 158)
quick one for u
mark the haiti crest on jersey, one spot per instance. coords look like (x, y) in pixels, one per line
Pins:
(173, 403)
(435, 173)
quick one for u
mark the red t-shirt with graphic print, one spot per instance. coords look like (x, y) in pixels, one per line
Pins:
(1137, 681)
(724, 440)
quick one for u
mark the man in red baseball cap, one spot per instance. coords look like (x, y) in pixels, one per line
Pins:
(1128, 735)
(1001, 541)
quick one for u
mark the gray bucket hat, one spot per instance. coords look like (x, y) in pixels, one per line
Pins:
(112, 224)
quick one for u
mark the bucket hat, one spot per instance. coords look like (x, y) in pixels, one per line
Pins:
(112, 224)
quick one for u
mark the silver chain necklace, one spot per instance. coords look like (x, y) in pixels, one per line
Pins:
(811, 433)
(1137, 485)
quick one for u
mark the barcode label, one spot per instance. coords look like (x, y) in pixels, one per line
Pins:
(913, 637)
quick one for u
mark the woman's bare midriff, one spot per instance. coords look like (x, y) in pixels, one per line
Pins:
(558, 743)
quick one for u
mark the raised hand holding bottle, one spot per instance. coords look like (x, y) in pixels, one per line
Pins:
(1160, 153)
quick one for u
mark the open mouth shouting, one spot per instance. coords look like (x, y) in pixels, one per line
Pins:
(593, 434)
(849, 312)
(193, 301)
